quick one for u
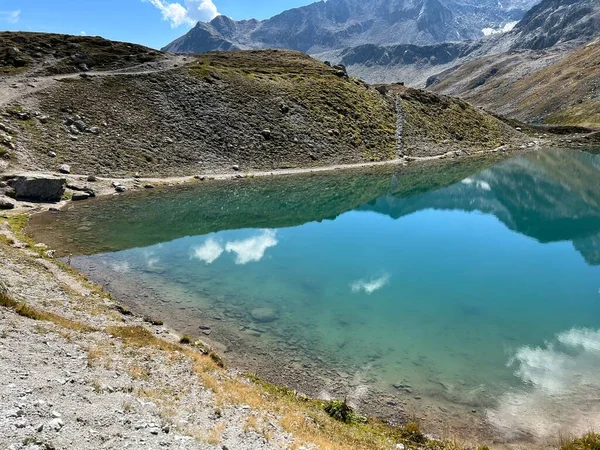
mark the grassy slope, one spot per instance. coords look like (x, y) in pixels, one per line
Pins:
(563, 92)
(437, 123)
(209, 115)
(213, 111)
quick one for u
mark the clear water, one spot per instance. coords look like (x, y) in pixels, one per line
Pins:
(476, 285)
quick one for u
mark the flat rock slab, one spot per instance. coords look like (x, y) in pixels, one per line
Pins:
(39, 189)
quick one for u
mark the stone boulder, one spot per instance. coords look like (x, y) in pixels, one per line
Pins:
(264, 315)
(82, 188)
(39, 189)
(6, 203)
(80, 195)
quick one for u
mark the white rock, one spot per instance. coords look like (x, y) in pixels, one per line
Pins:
(56, 424)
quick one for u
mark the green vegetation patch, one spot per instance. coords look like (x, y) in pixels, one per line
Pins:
(340, 410)
(590, 441)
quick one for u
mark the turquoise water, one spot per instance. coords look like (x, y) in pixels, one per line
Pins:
(483, 290)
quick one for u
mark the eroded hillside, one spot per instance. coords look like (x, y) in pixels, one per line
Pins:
(564, 92)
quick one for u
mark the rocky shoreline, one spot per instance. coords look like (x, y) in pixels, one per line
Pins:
(255, 347)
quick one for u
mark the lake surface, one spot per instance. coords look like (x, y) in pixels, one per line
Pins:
(473, 285)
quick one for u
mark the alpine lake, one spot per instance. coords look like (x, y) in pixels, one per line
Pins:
(464, 292)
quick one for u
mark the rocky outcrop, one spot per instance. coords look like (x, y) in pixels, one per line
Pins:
(38, 189)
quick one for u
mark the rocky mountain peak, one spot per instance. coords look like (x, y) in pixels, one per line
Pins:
(338, 24)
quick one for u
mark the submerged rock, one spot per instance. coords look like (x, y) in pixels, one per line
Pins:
(264, 315)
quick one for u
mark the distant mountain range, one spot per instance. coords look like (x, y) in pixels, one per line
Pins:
(550, 25)
(339, 24)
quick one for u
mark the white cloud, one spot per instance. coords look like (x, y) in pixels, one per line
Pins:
(188, 13)
(10, 16)
(562, 383)
(252, 249)
(208, 252)
(370, 286)
(83, 33)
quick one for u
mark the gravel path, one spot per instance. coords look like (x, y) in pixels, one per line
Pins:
(17, 87)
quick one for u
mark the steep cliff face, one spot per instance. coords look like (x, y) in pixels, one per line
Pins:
(337, 24)
(552, 22)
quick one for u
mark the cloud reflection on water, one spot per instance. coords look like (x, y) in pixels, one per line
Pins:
(252, 249)
(208, 252)
(246, 250)
(483, 185)
(562, 388)
(370, 286)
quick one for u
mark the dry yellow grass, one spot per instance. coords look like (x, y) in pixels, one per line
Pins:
(561, 93)
(138, 372)
(36, 314)
(216, 434)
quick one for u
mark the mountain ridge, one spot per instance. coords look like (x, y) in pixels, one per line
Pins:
(337, 24)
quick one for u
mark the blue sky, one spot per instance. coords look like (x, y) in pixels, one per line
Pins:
(149, 22)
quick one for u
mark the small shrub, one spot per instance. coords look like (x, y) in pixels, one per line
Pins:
(412, 432)
(340, 410)
(216, 359)
(152, 321)
(185, 339)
